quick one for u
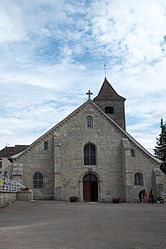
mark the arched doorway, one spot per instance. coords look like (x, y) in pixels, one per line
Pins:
(90, 188)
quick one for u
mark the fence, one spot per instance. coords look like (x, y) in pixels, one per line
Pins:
(7, 184)
(11, 190)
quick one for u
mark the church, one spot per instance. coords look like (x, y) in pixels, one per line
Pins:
(89, 155)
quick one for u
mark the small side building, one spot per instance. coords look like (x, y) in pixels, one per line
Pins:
(6, 153)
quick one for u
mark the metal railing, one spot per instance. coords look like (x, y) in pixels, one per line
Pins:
(7, 184)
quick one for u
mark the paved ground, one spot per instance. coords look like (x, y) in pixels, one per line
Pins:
(63, 225)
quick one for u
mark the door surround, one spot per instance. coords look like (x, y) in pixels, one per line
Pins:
(90, 187)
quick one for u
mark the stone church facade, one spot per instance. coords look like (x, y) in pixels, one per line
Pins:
(90, 155)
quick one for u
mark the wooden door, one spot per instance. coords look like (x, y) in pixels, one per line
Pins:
(90, 188)
(86, 190)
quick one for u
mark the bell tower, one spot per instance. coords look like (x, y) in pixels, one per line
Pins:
(111, 103)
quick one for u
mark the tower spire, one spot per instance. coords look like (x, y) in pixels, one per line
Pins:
(110, 102)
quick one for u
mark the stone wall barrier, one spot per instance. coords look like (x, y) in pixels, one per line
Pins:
(24, 195)
(7, 197)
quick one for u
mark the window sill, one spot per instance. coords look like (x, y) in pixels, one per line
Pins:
(90, 166)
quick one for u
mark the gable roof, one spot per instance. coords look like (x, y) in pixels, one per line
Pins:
(107, 92)
(106, 116)
(10, 151)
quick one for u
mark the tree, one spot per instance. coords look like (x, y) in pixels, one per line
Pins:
(160, 148)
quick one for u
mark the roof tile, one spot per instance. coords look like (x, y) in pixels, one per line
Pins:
(10, 151)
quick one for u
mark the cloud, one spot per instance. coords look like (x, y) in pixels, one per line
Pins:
(131, 30)
(6, 132)
(11, 28)
(52, 52)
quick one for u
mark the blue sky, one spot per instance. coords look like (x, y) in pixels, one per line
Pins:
(53, 51)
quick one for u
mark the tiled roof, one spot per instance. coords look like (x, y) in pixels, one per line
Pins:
(10, 151)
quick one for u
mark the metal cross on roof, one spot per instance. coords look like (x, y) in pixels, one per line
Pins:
(89, 94)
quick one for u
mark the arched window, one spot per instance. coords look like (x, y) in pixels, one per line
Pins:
(89, 121)
(89, 154)
(132, 153)
(38, 180)
(109, 109)
(138, 179)
(45, 145)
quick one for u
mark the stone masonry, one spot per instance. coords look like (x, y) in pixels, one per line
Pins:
(62, 163)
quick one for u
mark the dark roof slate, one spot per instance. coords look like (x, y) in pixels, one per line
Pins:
(10, 151)
(107, 92)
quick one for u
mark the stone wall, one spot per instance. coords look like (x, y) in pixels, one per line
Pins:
(164, 182)
(7, 197)
(140, 163)
(37, 159)
(5, 164)
(24, 195)
(119, 112)
(62, 165)
(70, 168)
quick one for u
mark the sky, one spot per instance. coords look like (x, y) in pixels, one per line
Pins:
(53, 51)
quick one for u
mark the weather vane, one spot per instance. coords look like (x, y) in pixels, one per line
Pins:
(89, 94)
